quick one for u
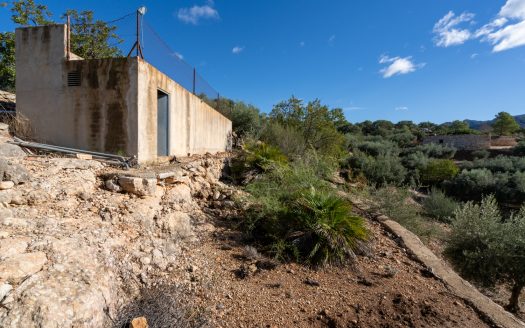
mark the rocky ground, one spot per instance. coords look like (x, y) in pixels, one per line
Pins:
(80, 242)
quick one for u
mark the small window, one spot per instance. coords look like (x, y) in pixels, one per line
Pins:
(73, 79)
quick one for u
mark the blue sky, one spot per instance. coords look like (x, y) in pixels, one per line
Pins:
(436, 60)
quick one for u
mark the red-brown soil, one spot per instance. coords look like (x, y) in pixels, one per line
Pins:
(387, 289)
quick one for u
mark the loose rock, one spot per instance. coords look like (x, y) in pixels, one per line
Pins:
(4, 185)
(18, 267)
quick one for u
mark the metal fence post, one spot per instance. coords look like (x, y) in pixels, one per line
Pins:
(194, 75)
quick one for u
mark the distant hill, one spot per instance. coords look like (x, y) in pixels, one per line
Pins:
(473, 124)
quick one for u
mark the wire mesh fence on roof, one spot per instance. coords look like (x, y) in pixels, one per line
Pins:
(155, 50)
(158, 53)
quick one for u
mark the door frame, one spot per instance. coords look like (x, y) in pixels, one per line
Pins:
(168, 125)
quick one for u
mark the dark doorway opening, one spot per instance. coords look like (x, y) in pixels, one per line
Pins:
(162, 123)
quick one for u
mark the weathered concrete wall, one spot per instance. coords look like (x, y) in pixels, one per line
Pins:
(461, 142)
(112, 106)
(503, 141)
(102, 111)
(100, 114)
(194, 127)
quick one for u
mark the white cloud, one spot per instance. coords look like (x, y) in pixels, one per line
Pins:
(401, 108)
(447, 31)
(194, 14)
(237, 50)
(398, 66)
(474, 55)
(513, 9)
(331, 39)
(178, 55)
(502, 34)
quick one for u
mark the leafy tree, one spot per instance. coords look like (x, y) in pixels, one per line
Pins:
(7, 61)
(89, 38)
(27, 12)
(505, 124)
(316, 122)
(246, 119)
(488, 249)
(459, 127)
(92, 38)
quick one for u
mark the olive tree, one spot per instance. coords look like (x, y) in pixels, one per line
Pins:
(488, 249)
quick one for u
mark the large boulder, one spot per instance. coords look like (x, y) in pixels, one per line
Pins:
(138, 186)
(10, 171)
(10, 150)
(177, 224)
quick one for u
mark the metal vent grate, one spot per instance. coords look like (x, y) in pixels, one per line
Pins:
(73, 79)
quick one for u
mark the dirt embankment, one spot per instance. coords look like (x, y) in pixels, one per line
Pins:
(78, 243)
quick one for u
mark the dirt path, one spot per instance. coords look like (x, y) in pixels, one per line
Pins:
(387, 289)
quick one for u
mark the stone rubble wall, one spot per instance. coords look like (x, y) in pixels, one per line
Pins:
(461, 142)
(503, 141)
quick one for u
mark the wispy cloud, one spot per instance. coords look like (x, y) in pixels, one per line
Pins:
(302, 44)
(447, 30)
(178, 55)
(193, 15)
(507, 30)
(353, 108)
(401, 108)
(474, 55)
(237, 50)
(331, 39)
(398, 66)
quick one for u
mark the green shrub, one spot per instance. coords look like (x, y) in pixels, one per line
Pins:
(439, 206)
(471, 184)
(416, 160)
(326, 231)
(295, 215)
(433, 150)
(480, 154)
(287, 138)
(259, 155)
(396, 203)
(500, 164)
(488, 249)
(496, 164)
(376, 148)
(519, 149)
(381, 170)
(256, 157)
(403, 138)
(438, 170)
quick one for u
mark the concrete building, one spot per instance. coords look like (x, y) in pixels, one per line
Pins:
(472, 141)
(114, 105)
